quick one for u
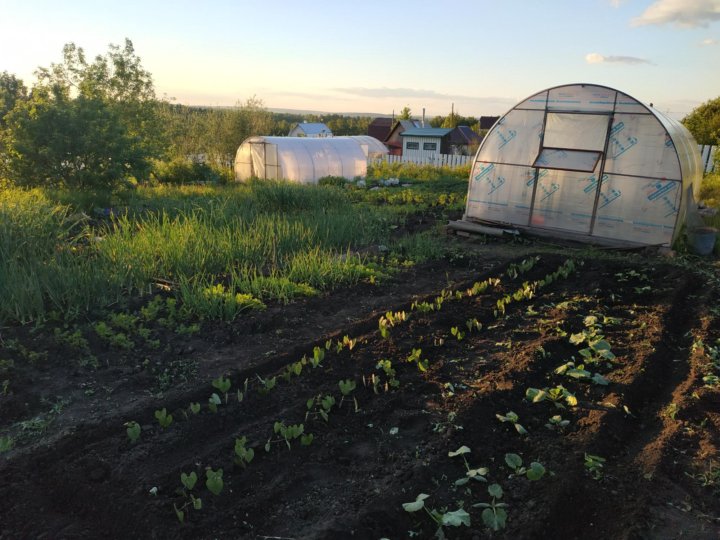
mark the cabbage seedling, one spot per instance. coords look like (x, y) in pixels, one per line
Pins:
(534, 472)
(494, 516)
(476, 474)
(442, 519)
(223, 385)
(189, 480)
(455, 331)
(267, 385)
(214, 481)
(594, 465)
(213, 402)
(163, 418)
(513, 419)
(133, 430)
(194, 408)
(243, 455)
(319, 355)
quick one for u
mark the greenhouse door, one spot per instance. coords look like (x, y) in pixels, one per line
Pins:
(567, 168)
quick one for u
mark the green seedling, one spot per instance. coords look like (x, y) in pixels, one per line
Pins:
(288, 433)
(318, 355)
(534, 472)
(557, 423)
(6, 443)
(306, 439)
(494, 515)
(223, 385)
(214, 480)
(213, 402)
(243, 455)
(267, 385)
(163, 418)
(194, 408)
(323, 404)
(442, 519)
(422, 307)
(328, 344)
(556, 395)
(241, 395)
(477, 474)
(415, 356)
(349, 343)
(569, 369)
(512, 418)
(179, 513)
(346, 388)
(473, 324)
(386, 366)
(133, 430)
(594, 465)
(189, 480)
(455, 331)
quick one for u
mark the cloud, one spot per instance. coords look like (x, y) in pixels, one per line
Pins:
(416, 93)
(595, 58)
(682, 13)
(708, 42)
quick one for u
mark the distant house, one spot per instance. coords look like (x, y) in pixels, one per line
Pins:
(380, 128)
(394, 140)
(421, 143)
(310, 129)
(464, 141)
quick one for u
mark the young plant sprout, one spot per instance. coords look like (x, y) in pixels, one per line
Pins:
(512, 418)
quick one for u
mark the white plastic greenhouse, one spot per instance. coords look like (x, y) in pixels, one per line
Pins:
(590, 163)
(304, 159)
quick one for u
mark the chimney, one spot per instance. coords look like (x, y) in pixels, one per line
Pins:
(423, 120)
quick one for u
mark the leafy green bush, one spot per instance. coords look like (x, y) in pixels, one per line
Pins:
(336, 181)
(182, 171)
(710, 190)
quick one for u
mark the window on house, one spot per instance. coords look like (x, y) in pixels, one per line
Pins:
(430, 146)
(412, 146)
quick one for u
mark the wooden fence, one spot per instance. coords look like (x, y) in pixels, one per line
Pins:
(439, 160)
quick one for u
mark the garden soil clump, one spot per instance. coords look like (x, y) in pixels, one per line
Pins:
(595, 370)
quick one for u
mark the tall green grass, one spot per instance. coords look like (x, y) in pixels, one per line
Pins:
(270, 240)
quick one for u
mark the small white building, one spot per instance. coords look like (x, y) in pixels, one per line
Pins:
(310, 129)
(423, 143)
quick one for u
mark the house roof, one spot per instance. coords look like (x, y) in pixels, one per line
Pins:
(313, 128)
(380, 128)
(400, 126)
(464, 135)
(426, 132)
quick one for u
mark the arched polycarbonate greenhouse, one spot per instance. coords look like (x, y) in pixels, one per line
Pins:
(587, 162)
(304, 159)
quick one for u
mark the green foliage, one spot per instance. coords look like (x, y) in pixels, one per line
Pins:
(243, 454)
(181, 170)
(704, 122)
(189, 480)
(87, 126)
(494, 515)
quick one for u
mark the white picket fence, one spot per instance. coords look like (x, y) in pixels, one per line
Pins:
(438, 160)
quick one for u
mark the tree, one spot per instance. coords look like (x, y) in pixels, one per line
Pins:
(12, 90)
(704, 122)
(405, 114)
(85, 125)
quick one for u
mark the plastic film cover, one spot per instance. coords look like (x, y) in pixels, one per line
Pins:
(642, 210)
(514, 140)
(581, 98)
(639, 145)
(500, 193)
(564, 200)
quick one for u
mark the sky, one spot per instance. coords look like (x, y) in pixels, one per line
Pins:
(377, 56)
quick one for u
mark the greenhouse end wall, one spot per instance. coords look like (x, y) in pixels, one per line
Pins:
(586, 160)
